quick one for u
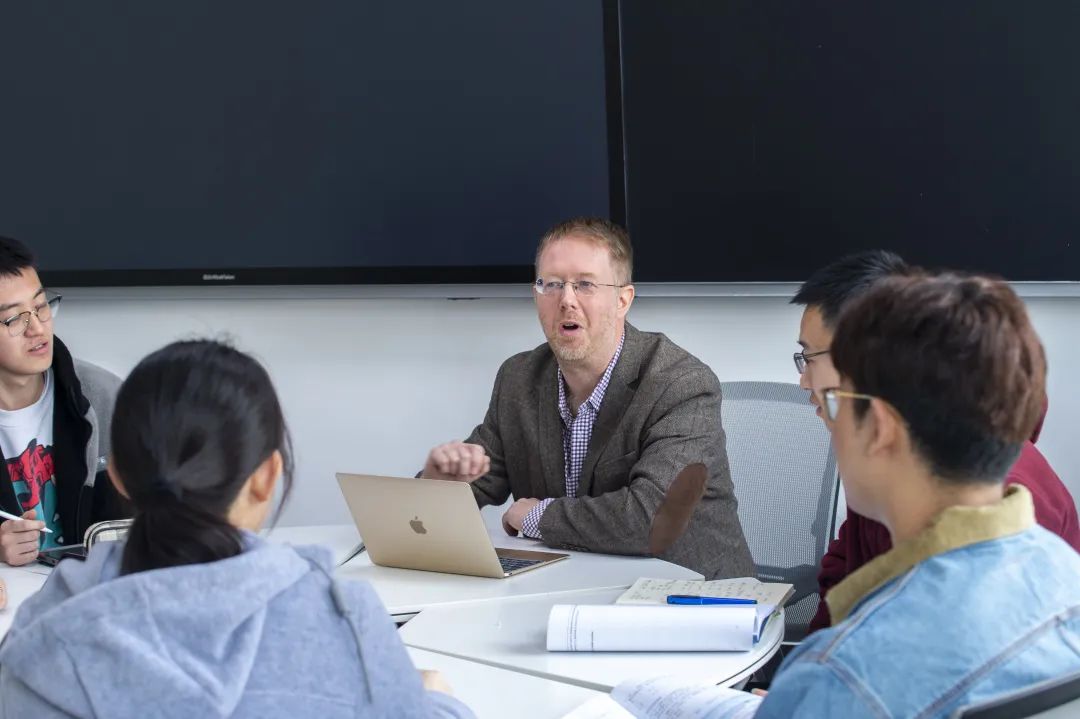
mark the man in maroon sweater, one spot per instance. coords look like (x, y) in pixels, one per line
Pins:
(824, 296)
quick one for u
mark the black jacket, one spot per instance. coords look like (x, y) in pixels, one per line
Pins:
(83, 399)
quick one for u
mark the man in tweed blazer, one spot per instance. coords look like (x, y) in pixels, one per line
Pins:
(589, 431)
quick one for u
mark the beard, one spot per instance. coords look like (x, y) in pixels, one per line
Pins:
(582, 348)
(566, 352)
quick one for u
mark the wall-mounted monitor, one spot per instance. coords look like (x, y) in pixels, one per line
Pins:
(273, 141)
(765, 137)
(424, 141)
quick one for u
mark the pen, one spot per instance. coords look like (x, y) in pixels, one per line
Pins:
(9, 515)
(692, 599)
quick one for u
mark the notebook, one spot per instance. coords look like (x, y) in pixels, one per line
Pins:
(668, 697)
(656, 591)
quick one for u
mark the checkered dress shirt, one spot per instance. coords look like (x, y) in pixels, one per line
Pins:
(577, 431)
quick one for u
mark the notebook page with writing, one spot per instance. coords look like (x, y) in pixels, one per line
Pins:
(656, 591)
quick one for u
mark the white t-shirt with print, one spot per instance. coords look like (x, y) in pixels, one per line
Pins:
(26, 439)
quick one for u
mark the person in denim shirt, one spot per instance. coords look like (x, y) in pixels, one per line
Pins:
(824, 296)
(942, 378)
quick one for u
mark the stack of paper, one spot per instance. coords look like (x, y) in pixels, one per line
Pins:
(608, 628)
(642, 620)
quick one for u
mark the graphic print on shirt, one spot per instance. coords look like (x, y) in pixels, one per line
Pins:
(32, 473)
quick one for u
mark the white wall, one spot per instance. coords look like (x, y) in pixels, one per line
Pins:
(368, 385)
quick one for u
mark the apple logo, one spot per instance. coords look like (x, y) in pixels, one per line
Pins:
(417, 526)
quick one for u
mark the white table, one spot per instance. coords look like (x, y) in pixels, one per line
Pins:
(500, 693)
(511, 634)
(406, 592)
(21, 583)
(465, 629)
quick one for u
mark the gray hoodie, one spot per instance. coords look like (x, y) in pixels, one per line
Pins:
(267, 633)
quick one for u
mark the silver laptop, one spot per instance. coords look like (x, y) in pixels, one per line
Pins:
(430, 524)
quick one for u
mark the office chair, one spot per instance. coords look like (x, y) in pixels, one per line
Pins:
(786, 482)
(1052, 699)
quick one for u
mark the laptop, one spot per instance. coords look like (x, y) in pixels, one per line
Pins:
(430, 524)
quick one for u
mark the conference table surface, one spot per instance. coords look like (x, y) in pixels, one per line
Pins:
(487, 635)
(21, 583)
(406, 592)
(512, 634)
(499, 693)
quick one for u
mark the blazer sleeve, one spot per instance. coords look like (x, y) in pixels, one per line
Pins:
(686, 430)
(493, 487)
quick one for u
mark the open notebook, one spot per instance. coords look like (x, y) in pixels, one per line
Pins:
(669, 698)
(656, 591)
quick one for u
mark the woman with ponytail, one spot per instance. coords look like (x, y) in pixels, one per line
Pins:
(194, 615)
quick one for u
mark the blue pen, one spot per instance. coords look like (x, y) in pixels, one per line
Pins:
(692, 599)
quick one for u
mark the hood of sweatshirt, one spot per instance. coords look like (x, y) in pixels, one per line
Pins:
(163, 633)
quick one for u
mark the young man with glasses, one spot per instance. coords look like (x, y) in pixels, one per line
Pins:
(54, 422)
(941, 380)
(825, 295)
(589, 430)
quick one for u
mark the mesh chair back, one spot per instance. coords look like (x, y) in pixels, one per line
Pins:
(786, 482)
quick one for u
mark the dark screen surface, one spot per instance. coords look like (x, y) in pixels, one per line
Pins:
(398, 140)
(422, 141)
(765, 137)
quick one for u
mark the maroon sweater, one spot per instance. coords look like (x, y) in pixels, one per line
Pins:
(862, 539)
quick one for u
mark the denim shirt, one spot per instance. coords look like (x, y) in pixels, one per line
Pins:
(983, 603)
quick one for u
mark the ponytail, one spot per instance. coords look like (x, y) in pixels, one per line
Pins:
(172, 534)
(192, 422)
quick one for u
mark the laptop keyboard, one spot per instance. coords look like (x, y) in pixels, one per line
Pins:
(512, 565)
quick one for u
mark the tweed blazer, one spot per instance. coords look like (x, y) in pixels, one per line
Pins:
(660, 413)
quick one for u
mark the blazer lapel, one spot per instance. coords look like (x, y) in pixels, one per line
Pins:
(617, 398)
(552, 458)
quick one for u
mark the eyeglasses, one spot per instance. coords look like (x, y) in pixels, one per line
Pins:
(832, 401)
(801, 359)
(17, 324)
(583, 288)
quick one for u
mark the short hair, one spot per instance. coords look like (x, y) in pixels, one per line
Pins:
(960, 361)
(835, 285)
(14, 257)
(600, 231)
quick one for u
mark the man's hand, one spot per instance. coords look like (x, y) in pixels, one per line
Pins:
(19, 539)
(514, 516)
(458, 461)
(434, 681)
(3, 594)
